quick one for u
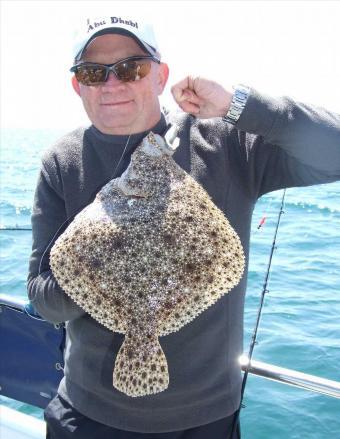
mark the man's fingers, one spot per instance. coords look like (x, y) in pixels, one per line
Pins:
(179, 94)
(184, 91)
(184, 95)
(191, 97)
(187, 100)
(177, 90)
(189, 107)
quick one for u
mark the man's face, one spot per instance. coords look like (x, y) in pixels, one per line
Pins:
(117, 107)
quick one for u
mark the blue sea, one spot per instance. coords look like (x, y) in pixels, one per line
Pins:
(300, 325)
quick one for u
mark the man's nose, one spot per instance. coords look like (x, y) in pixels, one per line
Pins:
(112, 81)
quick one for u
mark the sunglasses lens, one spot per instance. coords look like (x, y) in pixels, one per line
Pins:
(127, 71)
(91, 75)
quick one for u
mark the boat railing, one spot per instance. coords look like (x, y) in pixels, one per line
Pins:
(291, 377)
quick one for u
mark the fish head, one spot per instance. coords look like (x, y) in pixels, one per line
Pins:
(149, 169)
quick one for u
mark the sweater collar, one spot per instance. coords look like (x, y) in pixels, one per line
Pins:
(135, 139)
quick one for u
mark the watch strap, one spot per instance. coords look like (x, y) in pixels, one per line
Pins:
(238, 102)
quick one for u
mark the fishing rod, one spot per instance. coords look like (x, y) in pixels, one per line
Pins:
(259, 312)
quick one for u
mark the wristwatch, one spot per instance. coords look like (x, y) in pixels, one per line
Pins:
(238, 102)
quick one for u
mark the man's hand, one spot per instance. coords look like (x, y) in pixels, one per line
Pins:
(202, 97)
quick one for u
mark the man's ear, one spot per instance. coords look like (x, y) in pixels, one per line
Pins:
(75, 85)
(163, 75)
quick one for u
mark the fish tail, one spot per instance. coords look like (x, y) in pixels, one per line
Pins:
(142, 371)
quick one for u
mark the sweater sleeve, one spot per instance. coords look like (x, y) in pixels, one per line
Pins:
(286, 143)
(47, 297)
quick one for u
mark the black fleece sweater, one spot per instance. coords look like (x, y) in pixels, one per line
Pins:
(276, 143)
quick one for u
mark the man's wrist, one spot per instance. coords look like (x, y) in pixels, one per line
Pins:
(238, 102)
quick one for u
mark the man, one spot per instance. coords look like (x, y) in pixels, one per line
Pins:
(238, 145)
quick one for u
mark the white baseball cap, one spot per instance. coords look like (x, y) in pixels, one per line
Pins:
(133, 27)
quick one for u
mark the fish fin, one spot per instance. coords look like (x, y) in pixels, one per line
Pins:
(141, 372)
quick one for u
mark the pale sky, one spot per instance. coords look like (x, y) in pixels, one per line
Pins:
(279, 47)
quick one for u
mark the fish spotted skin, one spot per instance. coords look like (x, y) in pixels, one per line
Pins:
(145, 258)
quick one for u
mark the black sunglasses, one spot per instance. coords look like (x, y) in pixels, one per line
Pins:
(128, 69)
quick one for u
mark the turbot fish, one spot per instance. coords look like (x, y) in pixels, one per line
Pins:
(145, 258)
